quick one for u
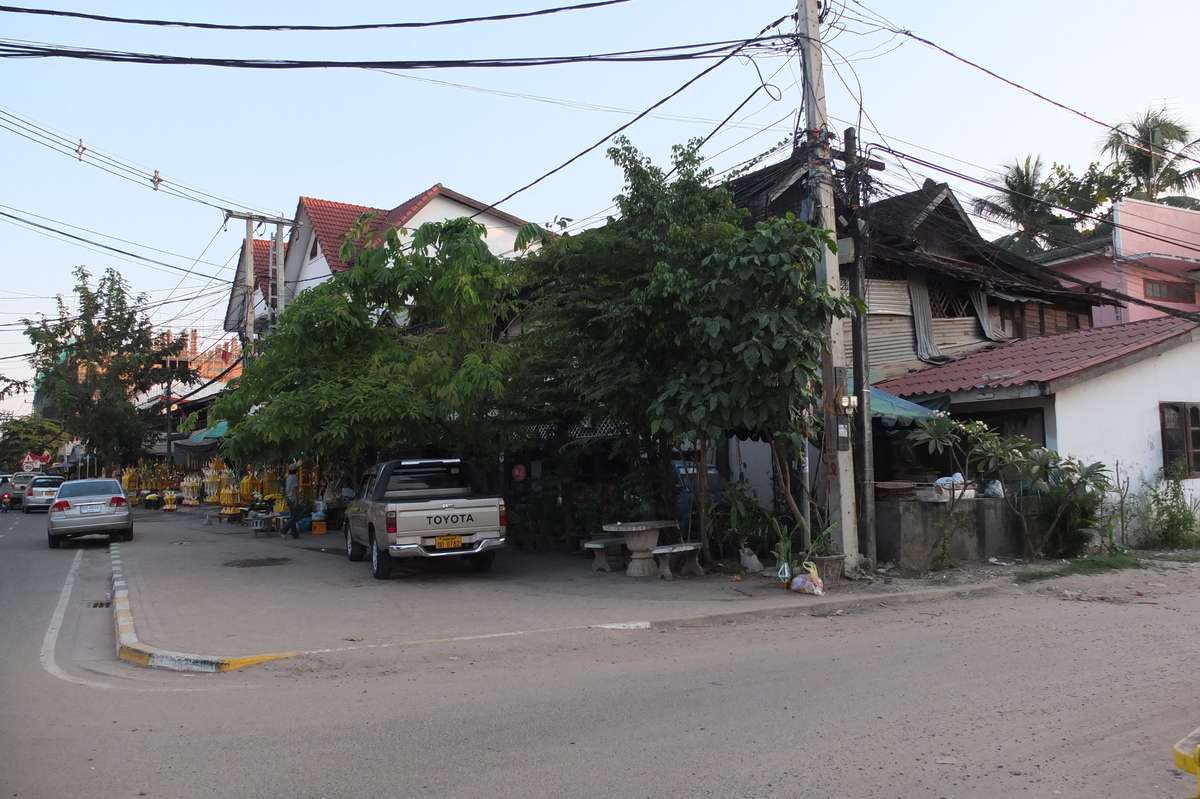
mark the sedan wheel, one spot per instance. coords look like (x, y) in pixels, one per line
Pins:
(53, 541)
(381, 562)
(354, 550)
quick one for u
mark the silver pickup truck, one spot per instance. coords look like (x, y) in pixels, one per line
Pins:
(423, 509)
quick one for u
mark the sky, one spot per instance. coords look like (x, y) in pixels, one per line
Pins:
(257, 140)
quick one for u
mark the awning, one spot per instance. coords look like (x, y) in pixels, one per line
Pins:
(896, 411)
(206, 437)
(209, 433)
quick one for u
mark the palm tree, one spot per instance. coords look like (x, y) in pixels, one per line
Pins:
(1157, 151)
(1028, 203)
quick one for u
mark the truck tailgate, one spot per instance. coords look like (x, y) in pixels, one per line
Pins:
(459, 517)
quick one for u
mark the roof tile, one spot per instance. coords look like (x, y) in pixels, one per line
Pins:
(1040, 359)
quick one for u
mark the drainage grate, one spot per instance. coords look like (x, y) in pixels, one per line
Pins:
(98, 603)
(247, 564)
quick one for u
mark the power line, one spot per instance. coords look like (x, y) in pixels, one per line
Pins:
(12, 48)
(65, 234)
(123, 241)
(366, 26)
(15, 123)
(1111, 128)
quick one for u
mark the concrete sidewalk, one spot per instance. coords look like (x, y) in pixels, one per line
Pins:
(192, 596)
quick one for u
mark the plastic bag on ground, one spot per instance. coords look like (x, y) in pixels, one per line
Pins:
(808, 581)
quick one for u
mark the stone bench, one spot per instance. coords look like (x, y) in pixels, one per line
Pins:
(691, 563)
(602, 547)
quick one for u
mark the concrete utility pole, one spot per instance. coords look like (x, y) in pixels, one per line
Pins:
(248, 265)
(864, 460)
(837, 455)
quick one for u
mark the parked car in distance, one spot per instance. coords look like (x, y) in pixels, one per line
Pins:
(89, 507)
(40, 493)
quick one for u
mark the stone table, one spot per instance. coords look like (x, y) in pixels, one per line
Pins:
(640, 538)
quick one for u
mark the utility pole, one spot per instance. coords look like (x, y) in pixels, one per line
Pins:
(248, 266)
(838, 458)
(864, 460)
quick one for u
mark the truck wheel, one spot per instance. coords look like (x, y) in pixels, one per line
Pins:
(354, 550)
(381, 562)
(483, 561)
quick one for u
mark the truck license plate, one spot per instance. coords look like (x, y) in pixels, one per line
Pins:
(448, 541)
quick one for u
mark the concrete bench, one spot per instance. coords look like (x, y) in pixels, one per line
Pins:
(691, 563)
(602, 546)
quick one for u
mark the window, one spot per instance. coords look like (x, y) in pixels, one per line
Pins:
(1171, 292)
(312, 252)
(1181, 434)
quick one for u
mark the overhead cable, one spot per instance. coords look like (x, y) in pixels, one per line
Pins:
(366, 26)
(11, 48)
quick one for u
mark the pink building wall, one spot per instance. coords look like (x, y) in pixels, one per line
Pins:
(1152, 242)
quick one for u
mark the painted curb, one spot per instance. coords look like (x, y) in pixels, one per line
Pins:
(131, 650)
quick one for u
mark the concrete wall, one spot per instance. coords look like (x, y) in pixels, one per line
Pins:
(907, 533)
(1152, 228)
(751, 461)
(1114, 418)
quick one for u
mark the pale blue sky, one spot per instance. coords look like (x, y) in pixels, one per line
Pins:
(263, 138)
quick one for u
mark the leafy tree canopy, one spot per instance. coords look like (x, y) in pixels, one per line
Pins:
(1152, 157)
(28, 434)
(674, 322)
(92, 362)
(405, 347)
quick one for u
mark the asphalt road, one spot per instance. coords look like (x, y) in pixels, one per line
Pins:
(1016, 694)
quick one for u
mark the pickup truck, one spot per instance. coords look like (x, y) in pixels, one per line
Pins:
(423, 509)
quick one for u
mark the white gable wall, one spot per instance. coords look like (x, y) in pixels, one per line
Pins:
(501, 234)
(1115, 417)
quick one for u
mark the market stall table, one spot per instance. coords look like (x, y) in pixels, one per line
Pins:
(640, 538)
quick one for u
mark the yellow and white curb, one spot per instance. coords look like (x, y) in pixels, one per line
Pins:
(130, 649)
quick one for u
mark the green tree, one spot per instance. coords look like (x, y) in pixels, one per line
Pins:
(758, 327)
(94, 361)
(1158, 153)
(407, 346)
(675, 323)
(28, 434)
(1027, 202)
(611, 326)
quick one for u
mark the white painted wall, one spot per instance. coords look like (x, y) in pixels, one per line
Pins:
(751, 460)
(1115, 417)
(501, 235)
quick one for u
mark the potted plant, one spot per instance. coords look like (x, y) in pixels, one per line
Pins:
(830, 561)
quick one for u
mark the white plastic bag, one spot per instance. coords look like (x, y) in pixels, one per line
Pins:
(750, 561)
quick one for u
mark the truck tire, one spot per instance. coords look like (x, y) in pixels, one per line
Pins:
(482, 562)
(381, 562)
(354, 550)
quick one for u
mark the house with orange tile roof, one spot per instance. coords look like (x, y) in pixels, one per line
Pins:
(1127, 394)
(312, 251)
